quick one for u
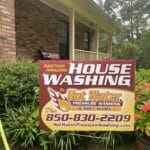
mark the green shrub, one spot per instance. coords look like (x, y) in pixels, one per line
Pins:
(127, 51)
(18, 81)
(18, 93)
(18, 89)
(55, 140)
(143, 75)
(22, 126)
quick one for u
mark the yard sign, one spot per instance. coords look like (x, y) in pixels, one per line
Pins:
(87, 95)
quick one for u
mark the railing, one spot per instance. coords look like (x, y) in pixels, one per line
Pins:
(103, 56)
(89, 55)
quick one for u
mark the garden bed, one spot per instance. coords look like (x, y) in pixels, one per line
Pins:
(19, 112)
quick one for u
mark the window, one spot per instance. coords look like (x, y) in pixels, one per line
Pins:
(63, 40)
(63, 32)
(86, 41)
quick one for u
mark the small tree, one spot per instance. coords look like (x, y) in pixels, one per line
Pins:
(127, 51)
(145, 46)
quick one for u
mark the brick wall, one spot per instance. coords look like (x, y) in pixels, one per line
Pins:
(7, 30)
(37, 27)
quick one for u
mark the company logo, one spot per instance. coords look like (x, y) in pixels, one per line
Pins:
(86, 100)
(60, 101)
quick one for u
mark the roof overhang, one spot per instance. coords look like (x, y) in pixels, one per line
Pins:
(87, 9)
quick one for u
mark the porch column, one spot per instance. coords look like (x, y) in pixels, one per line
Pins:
(110, 44)
(72, 35)
(97, 41)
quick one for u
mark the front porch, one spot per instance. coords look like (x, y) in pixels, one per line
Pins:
(35, 24)
(70, 28)
(90, 55)
(84, 13)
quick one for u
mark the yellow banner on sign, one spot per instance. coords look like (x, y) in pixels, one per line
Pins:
(64, 113)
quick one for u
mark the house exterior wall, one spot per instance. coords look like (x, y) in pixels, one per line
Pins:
(37, 27)
(7, 30)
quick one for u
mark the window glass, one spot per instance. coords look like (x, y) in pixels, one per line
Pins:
(86, 41)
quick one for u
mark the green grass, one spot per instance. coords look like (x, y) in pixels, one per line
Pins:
(84, 146)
